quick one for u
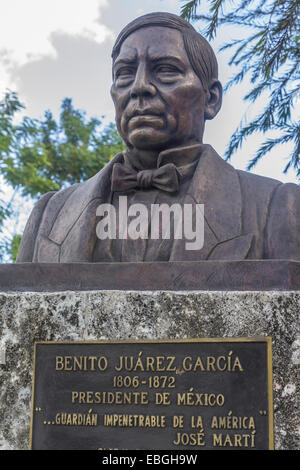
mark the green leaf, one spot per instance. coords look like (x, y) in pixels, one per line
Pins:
(269, 57)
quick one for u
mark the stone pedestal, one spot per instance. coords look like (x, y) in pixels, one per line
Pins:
(32, 315)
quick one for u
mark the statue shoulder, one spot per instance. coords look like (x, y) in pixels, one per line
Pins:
(46, 208)
(25, 253)
(272, 189)
(283, 229)
(262, 182)
(287, 198)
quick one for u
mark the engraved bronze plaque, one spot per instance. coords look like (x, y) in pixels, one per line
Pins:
(159, 395)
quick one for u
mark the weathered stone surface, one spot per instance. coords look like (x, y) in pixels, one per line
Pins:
(28, 317)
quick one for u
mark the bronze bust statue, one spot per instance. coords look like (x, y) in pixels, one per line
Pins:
(165, 86)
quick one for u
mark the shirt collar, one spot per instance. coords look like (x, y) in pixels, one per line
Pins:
(180, 156)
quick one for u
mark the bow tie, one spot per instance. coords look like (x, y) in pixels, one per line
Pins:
(125, 178)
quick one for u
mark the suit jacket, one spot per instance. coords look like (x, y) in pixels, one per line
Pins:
(246, 217)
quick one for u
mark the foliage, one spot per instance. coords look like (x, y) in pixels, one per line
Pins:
(8, 107)
(4, 214)
(45, 155)
(37, 156)
(9, 248)
(269, 56)
(12, 247)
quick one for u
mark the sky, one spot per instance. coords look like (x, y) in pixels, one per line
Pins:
(52, 49)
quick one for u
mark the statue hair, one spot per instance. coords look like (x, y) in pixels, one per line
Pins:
(199, 51)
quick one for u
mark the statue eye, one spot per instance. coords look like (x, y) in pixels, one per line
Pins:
(165, 68)
(125, 72)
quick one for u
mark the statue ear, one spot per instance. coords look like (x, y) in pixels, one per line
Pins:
(213, 100)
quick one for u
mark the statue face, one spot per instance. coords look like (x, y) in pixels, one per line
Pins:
(159, 100)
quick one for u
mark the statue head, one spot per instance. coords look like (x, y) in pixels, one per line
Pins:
(165, 83)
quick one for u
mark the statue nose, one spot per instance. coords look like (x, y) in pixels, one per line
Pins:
(142, 85)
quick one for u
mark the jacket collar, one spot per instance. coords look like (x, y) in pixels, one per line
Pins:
(216, 185)
(180, 156)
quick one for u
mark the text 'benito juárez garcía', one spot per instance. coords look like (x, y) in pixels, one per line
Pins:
(140, 363)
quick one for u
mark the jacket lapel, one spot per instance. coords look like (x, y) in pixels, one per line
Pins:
(75, 226)
(216, 185)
